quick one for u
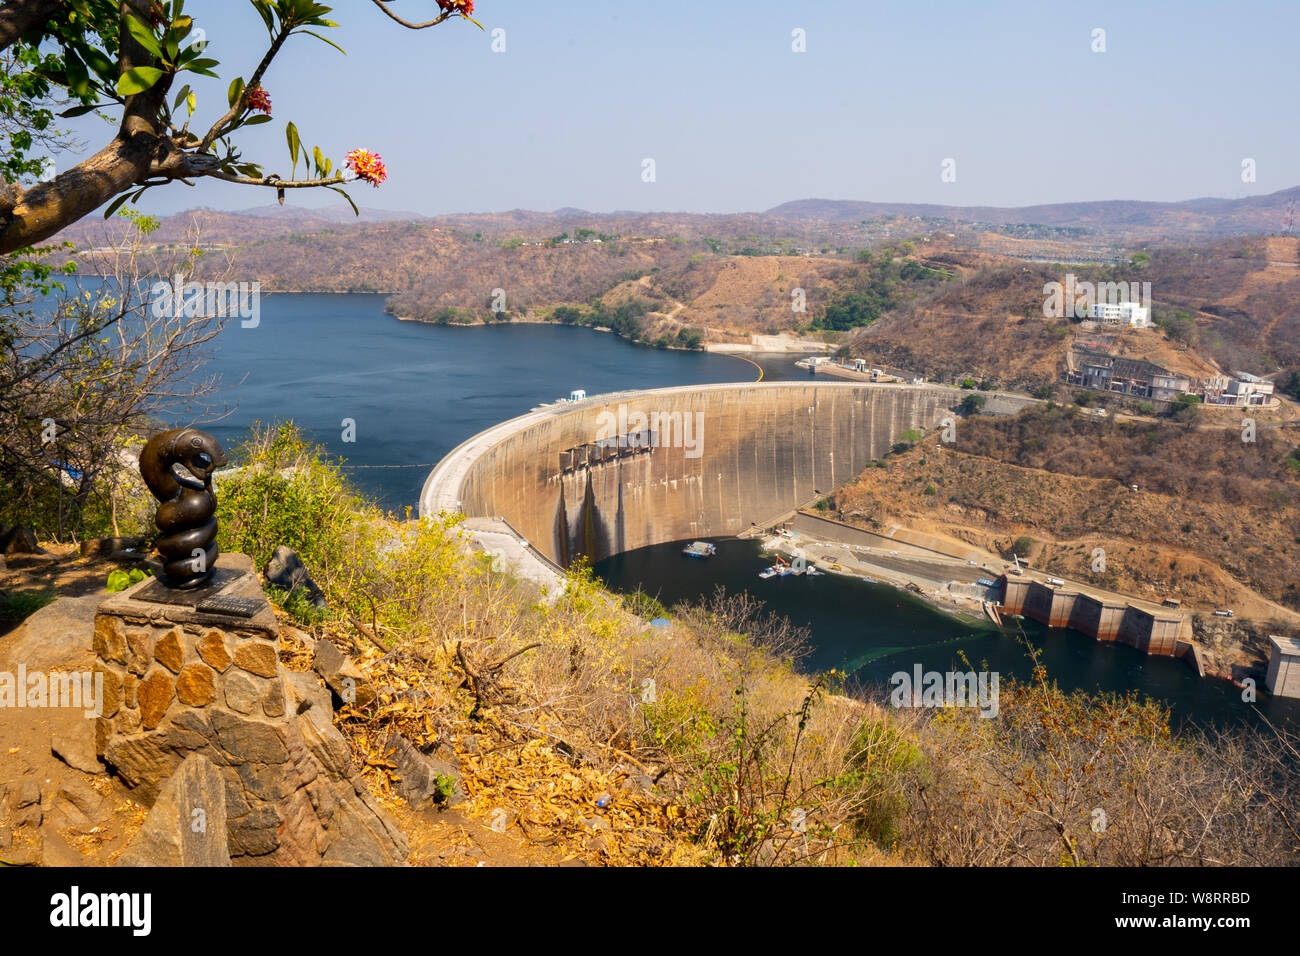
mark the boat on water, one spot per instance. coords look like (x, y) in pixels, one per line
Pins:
(784, 568)
(700, 549)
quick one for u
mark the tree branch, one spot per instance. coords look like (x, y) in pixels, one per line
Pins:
(383, 5)
(253, 82)
(272, 181)
(21, 16)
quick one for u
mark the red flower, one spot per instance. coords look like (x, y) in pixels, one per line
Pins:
(463, 7)
(367, 166)
(258, 99)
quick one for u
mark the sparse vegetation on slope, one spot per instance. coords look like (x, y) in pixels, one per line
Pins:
(703, 744)
(1205, 498)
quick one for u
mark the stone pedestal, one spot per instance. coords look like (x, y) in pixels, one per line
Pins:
(181, 679)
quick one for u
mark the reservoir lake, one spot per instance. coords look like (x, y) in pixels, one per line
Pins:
(417, 390)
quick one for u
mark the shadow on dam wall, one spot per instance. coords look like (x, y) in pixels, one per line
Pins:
(578, 480)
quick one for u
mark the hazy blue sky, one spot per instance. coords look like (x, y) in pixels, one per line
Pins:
(735, 120)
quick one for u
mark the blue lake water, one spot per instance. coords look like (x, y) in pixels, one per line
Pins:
(415, 391)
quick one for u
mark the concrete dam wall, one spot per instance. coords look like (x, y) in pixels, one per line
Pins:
(621, 471)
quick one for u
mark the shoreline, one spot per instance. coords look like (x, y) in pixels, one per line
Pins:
(704, 349)
(912, 562)
(966, 614)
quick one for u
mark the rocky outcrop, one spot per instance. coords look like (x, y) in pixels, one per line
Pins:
(286, 571)
(55, 637)
(18, 540)
(187, 824)
(342, 675)
(425, 780)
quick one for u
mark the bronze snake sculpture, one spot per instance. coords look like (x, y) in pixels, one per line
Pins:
(177, 465)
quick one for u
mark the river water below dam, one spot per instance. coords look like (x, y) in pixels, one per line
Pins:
(871, 631)
(415, 391)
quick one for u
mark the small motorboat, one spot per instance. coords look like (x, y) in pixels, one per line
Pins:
(700, 549)
(778, 570)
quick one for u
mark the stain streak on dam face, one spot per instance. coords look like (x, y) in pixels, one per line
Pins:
(762, 450)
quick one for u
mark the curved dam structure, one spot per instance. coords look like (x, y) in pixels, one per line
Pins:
(629, 469)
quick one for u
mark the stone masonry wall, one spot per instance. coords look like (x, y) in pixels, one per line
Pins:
(177, 682)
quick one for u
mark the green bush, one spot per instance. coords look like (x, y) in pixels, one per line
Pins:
(284, 492)
(296, 604)
(644, 606)
(1184, 407)
(881, 761)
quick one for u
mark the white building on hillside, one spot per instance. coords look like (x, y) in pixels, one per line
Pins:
(1121, 313)
(1240, 389)
(1249, 389)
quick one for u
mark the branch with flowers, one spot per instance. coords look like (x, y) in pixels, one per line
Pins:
(128, 55)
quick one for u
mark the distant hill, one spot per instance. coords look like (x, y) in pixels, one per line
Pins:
(340, 213)
(930, 296)
(817, 226)
(1191, 218)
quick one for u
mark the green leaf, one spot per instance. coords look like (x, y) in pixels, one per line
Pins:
(191, 103)
(319, 157)
(78, 77)
(355, 210)
(236, 90)
(295, 145)
(144, 36)
(113, 207)
(137, 80)
(104, 68)
(80, 110)
(183, 92)
(264, 9)
(312, 33)
(256, 121)
(171, 46)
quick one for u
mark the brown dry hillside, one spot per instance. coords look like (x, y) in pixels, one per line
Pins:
(1230, 305)
(1214, 518)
